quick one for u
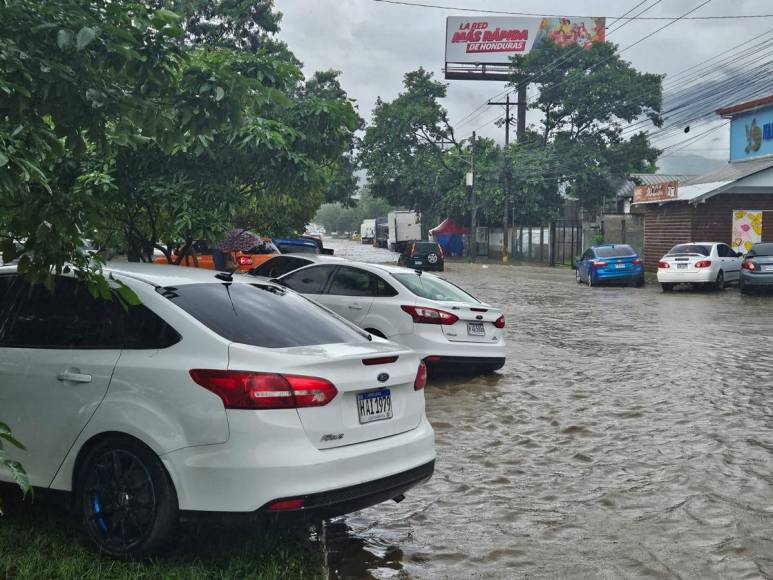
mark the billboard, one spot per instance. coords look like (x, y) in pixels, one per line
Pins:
(751, 134)
(484, 40)
(747, 229)
(665, 191)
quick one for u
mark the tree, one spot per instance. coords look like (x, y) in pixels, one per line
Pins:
(338, 218)
(403, 148)
(586, 98)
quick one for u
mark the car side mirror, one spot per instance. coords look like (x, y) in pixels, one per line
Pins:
(740, 254)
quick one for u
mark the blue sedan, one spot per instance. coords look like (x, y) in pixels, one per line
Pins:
(609, 263)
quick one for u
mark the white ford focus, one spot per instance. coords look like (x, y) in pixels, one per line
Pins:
(440, 321)
(212, 396)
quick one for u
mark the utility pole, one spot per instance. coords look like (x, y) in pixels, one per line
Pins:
(474, 203)
(506, 177)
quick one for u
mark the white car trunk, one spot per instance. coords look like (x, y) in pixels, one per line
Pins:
(685, 262)
(475, 324)
(340, 422)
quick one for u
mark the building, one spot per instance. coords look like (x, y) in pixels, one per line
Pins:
(733, 205)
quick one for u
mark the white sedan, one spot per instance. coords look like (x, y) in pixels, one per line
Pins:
(708, 263)
(214, 395)
(437, 319)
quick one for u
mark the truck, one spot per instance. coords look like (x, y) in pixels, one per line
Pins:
(368, 231)
(382, 232)
(404, 227)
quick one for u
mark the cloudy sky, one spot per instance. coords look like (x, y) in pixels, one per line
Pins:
(374, 44)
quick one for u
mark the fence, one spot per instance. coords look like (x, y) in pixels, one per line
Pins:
(556, 243)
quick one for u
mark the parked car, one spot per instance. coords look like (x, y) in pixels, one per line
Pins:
(317, 239)
(440, 321)
(699, 263)
(355, 237)
(295, 246)
(422, 256)
(757, 269)
(202, 256)
(281, 265)
(609, 263)
(214, 395)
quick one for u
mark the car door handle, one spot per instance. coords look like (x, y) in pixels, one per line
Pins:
(355, 307)
(72, 376)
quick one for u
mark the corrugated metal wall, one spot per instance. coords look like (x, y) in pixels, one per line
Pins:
(665, 226)
(713, 220)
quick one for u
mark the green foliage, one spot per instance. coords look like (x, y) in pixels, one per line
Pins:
(587, 97)
(13, 467)
(403, 148)
(143, 125)
(337, 218)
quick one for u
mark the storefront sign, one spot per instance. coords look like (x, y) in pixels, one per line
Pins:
(751, 134)
(665, 191)
(495, 40)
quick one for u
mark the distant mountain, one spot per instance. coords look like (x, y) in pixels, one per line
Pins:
(689, 164)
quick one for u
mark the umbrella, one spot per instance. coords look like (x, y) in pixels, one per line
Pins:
(238, 241)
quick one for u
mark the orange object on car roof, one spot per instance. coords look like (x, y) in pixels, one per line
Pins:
(201, 256)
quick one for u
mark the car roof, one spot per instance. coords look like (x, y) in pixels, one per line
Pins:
(296, 241)
(167, 275)
(311, 257)
(608, 246)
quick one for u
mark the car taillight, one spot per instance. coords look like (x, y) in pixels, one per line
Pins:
(425, 315)
(286, 504)
(442, 253)
(663, 265)
(637, 261)
(246, 390)
(245, 260)
(413, 250)
(749, 265)
(500, 322)
(703, 264)
(599, 263)
(421, 377)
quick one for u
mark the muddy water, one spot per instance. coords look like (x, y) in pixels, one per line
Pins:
(630, 435)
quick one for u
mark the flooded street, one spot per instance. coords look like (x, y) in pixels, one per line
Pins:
(630, 435)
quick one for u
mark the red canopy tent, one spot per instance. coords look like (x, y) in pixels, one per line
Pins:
(449, 236)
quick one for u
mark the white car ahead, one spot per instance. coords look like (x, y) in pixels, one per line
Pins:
(212, 396)
(708, 263)
(437, 319)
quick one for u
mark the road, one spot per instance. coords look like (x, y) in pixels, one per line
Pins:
(630, 435)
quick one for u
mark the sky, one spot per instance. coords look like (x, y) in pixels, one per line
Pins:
(374, 44)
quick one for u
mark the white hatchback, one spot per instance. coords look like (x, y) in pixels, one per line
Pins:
(238, 397)
(437, 319)
(706, 263)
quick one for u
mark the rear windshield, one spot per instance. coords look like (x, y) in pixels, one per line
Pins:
(426, 247)
(761, 250)
(297, 249)
(433, 288)
(261, 315)
(683, 249)
(279, 266)
(615, 252)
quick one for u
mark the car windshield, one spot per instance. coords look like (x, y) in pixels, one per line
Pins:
(261, 315)
(761, 250)
(683, 249)
(615, 252)
(433, 288)
(297, 249)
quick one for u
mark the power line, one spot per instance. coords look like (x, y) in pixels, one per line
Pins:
(542, 15)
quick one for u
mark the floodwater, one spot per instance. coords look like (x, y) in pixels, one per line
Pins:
(630, 435)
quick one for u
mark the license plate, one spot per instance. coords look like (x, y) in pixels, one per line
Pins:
(620, 266)
(767, 268)
(374, 406)
(417, 262)
(681, 266)
(476, 329)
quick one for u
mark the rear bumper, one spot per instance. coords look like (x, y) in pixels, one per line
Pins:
(429, 340)
(258, 467)
(667, 277)
(465, 361)
(758, 280)
(624, 274)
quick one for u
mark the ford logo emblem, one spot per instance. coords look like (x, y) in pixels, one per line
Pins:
(383, 377)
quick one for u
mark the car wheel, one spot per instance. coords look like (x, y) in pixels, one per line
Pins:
(667, 287)
(719, 284)
(590, 279)
(127, 501)
(442, 268)
(433, 258)
(577, 277)
(639, 282)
